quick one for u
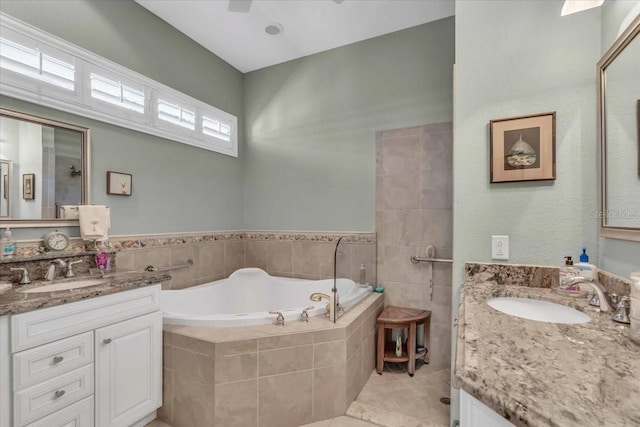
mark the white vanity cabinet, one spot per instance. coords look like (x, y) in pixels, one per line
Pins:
(96, 362)
(474, 413)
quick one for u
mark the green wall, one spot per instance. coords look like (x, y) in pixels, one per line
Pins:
(518, 58)
(176, 187)
(310, 125)
(618, 256)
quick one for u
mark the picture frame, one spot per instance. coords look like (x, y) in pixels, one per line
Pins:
(523, 148)
(29, 186)
(119, 183)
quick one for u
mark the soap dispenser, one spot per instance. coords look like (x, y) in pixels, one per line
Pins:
(567, 272)
(584, 268)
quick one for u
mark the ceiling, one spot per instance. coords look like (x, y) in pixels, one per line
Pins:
(310, 26)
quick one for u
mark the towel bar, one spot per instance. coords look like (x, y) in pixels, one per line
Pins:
(169, 267)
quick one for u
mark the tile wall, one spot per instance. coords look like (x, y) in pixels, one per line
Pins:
(266, 375)
(286, 254)
(414, 200)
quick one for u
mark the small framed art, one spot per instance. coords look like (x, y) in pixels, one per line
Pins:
(29, 186)
(523, 148)
(119, 184)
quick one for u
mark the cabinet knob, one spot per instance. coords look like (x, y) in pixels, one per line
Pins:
(58, 359)
(107, 341)
(58, 394)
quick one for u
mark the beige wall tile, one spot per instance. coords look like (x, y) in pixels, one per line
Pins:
(279, 256)
(369, 347)
(158, 257)
(399, 268)
(329, 353)
(354, 341)
(193, 402)
(438, 228)
(329, 392)
(436, 150)
(255, 254)
(193, 364)
(167, 356)
(402, 227)
(233, 256)
(363, 255)
(194, 344)
(165, 412)
(329, 335)
(327, 254)
(441, 305)
(236, 368)
(401, 155)
(401, 132)
(401, 191)
(379, 154)
(440, 352)
(211, 259)
(229, 348)
(436, 188)
(284, 360)
(442, 274)
(186, 276)
(282, 341)
(354, 376)
(237, 404)
(124, 260)
(285, 400)
(406, 295)
(306, 258)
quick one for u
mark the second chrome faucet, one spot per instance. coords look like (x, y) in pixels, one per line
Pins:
(51, 271)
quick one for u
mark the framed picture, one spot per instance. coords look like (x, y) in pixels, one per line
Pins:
(119, 183)
(29, 186)
(523, 148)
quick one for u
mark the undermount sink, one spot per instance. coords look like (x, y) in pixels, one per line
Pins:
(64, 286)
(541, 311)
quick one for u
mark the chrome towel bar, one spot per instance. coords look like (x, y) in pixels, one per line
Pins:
(169, 267)
(415, 259)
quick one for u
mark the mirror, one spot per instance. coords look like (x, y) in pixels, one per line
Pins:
(44, 168)
(619, 134)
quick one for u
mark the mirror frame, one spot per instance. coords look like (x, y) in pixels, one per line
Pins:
(85, 197)
(623, 233)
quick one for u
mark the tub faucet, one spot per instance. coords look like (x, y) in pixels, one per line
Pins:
(317, 297)
(279, 319)
(600, 291)
(51, 271)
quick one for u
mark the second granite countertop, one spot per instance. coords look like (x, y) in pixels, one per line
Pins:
(13, 302)
(546, 374)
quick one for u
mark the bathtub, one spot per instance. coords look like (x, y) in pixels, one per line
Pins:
(246, 297)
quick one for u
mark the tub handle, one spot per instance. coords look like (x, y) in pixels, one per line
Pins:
(279, 319)
(304, 316)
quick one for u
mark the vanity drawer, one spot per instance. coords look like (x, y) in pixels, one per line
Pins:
(47, 361)
(79, 414)
(53, 323)
(43, 399)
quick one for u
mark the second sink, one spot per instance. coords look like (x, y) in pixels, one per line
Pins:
(64, 286)
(541, 311)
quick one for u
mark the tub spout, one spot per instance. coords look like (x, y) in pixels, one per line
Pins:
(317, 297)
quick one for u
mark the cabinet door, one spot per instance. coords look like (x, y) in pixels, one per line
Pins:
(128, 370)
(474, 413)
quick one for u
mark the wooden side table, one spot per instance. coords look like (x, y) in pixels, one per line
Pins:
(395, 318)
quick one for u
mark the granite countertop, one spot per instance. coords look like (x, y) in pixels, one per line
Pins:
(13, 302)
(546, 374)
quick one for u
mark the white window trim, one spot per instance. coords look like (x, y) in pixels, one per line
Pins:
(28, 89)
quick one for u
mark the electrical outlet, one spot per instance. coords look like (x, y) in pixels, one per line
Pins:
(500, 247)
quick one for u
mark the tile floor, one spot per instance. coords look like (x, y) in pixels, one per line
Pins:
(394, 399)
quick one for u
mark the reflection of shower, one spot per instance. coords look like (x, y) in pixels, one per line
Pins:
(74, 171)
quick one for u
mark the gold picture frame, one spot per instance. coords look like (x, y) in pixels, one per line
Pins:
(523, 148)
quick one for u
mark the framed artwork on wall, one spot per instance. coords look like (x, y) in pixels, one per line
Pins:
(119, 184)
(523, 148)
(29, 186)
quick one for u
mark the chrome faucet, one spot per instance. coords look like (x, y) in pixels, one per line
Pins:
(317, 297)
(600, 291)
(25, 279)
(51, 271)
(70, 265)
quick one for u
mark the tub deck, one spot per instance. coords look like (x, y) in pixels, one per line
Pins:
(266, 374)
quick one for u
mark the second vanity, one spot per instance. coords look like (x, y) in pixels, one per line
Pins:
(83, 357)
(543, 374)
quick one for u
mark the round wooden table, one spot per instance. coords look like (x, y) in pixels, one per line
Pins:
(400, 318)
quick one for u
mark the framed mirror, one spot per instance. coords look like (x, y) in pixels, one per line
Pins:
(45, 170)
(619, 136)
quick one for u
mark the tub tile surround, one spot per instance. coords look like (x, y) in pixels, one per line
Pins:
(414, 187)
(500, 365)
(266, 375)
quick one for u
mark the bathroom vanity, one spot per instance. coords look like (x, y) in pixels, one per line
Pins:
(91, 357)
(514, 371)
